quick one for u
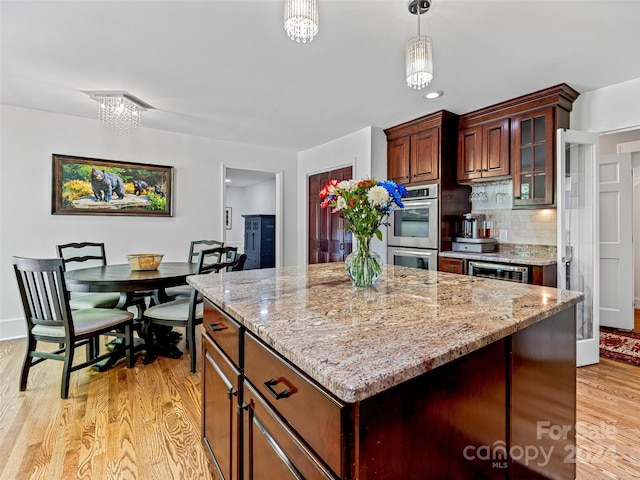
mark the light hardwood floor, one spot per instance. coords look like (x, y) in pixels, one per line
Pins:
(144, 423)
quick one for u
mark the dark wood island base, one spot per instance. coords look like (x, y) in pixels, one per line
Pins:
(505, 411)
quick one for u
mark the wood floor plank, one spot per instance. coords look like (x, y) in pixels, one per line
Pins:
(144, 423)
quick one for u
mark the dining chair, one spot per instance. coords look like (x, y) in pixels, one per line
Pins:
(92, 254)
(85, 255)
(195, 248)
(185, 312)
(49, 317)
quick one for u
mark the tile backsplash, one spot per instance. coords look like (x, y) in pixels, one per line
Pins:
(534, 227)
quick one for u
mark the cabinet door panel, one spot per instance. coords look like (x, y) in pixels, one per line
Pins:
(425, 154)
(470, 153)
(496, 149)
(533, 158)
(220, 423)
(398, 160)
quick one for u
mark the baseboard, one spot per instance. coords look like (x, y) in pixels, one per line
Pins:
(10, 329)
(636, 303)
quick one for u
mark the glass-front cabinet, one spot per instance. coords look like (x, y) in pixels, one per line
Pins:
(533, 158)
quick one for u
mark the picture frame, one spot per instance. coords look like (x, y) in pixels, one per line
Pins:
(91, 186)
(227, 218)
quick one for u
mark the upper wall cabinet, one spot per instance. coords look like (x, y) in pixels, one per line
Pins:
(516, 139)
(483, 151)
(415, 149)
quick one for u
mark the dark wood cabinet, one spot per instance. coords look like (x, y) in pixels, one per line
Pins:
(260, 241)
(222, 392)
(414, 158)
(452, 265)
(265, 419)
(533, 143)
(483, 151)
(423, 151)
(516, 139)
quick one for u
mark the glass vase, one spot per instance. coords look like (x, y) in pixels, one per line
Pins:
(363, 267)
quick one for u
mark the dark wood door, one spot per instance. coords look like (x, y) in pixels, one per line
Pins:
(425, 155)
(329, 241)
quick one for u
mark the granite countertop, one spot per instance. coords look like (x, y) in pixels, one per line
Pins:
(538, 255)
(359, 342)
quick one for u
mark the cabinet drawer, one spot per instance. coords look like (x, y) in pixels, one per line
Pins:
(452, 265)
(271, 449)
(224, 331)
(315, 415)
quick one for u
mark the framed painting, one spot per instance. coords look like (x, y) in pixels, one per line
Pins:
(227, 218)
(90, 186)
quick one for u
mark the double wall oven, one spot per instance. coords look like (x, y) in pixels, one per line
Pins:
(413, 232)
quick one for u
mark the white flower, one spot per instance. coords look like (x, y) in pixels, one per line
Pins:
(347, 185)
(378, 196)
(340, 204)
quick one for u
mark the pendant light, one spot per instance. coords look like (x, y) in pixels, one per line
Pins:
(301, 19)
(419, 54)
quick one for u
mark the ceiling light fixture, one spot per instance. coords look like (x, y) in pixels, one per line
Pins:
(434, 94)
(301, 19)
(419, 55)
(120, 111)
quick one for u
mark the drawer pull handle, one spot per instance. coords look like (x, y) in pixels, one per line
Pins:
(216, 327)
(269, 386)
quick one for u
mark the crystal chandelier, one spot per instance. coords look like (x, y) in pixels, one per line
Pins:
(301, 19)
(120, 112)
(419, 55)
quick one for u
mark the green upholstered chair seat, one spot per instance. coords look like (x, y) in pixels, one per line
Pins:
(94, 300)
(85, 321)
(176, 310)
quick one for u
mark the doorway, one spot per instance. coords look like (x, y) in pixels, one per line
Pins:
(329, 241)
(248, 192)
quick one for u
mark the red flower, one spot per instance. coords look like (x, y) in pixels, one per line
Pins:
(325, 190)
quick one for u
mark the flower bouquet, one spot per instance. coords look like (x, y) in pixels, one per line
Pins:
(365, 205)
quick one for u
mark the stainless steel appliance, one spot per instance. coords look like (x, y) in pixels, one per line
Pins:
(473, 225)
(426, 259)
(417, 225)
(499, 271)
(474, 245)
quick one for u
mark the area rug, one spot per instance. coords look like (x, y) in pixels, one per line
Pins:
(621, 346)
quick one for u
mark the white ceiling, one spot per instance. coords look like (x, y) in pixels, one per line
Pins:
(227, 70)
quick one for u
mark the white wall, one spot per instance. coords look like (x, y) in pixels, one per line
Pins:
(365, 150)
(609, 109)
(27, 228)
(615, 108)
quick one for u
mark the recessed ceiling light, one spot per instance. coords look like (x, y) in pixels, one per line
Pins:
(227, 180)
(434, 94)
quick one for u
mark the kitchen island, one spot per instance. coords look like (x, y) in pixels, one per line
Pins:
(427, 375)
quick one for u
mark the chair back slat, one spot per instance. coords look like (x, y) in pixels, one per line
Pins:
(217, 259)
(82, 255)
(43, 292)
(198, 245)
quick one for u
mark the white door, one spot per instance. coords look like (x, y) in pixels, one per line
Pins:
(578, 242)
(616, 241)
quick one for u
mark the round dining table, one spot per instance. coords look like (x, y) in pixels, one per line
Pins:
(120, 278)
(131, 284)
